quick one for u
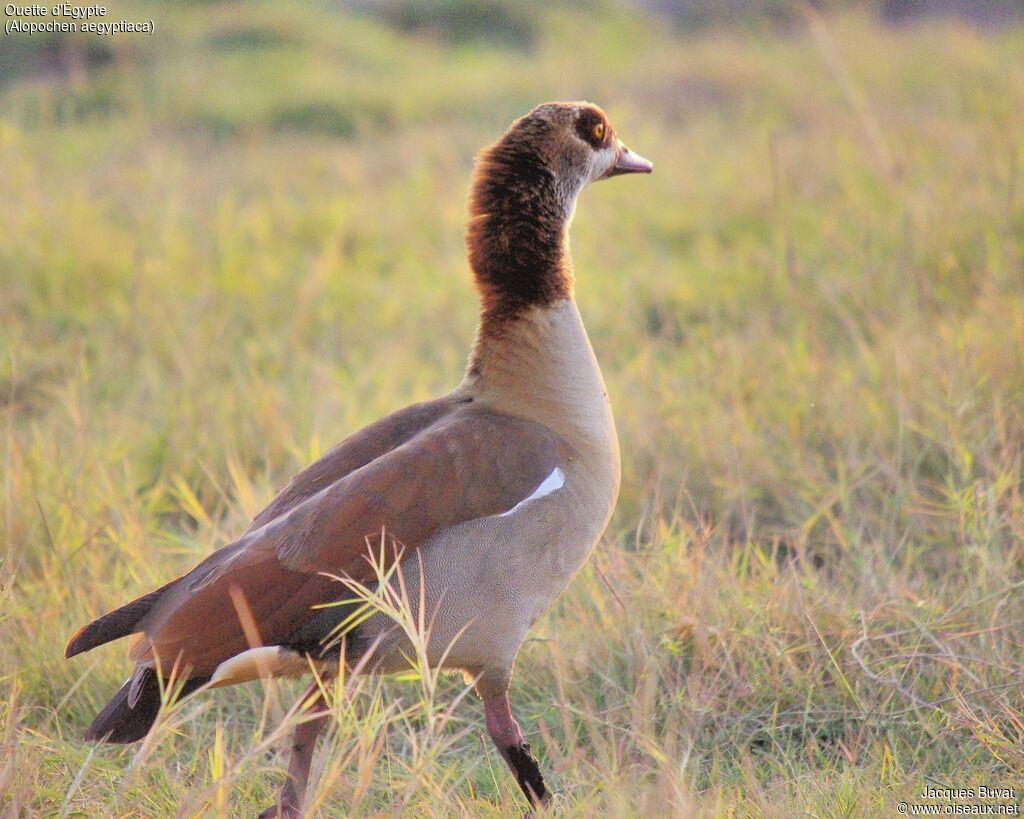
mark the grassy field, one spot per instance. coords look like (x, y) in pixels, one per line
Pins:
(230, 244)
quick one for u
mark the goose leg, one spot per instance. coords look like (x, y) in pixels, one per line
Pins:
(508, 739)
(293, 793)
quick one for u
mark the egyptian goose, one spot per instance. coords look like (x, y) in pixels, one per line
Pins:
(501, 488)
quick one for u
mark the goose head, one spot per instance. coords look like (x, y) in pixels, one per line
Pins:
(523, 197)
(580, 143)
(572, 141)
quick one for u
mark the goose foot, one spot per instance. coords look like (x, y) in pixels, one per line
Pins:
(508, 739)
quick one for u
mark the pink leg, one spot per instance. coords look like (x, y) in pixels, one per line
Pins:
(293, 794)
(504, 731)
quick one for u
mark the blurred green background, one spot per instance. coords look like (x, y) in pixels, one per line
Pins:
(227, 245)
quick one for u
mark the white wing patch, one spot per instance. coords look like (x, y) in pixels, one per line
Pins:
(552, 483)
(259, 663)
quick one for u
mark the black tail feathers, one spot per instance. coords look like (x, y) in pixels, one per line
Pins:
(118, 623)
(132, 711)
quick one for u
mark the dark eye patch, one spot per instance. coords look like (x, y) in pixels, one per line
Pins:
(589, 118)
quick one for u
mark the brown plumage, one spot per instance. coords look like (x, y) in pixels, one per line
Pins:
(517, 233)
(502, 487)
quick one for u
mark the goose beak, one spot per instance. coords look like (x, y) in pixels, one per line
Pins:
(628, 162)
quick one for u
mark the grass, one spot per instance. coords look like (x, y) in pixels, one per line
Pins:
(231, 244)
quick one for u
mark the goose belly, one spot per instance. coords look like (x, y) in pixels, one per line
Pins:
(485, 582)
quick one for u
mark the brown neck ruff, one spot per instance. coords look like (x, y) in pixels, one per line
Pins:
(517, 237)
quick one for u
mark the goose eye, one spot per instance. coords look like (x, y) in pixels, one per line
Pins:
(599, 131)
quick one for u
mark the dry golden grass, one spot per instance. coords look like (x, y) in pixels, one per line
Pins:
(229, 245)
